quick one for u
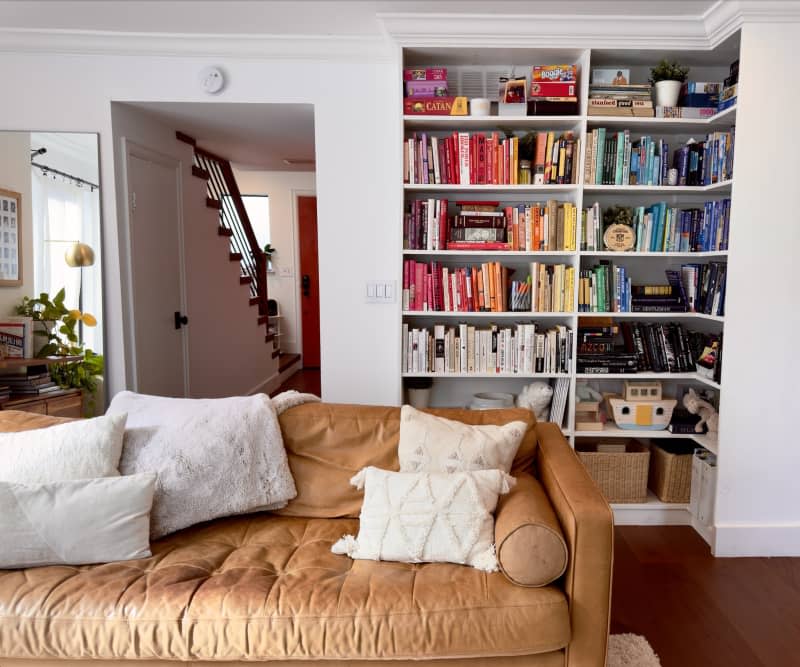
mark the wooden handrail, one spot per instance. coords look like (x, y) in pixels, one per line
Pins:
(245, 235)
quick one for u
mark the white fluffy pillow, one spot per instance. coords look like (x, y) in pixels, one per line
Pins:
(76, 450)
(427, 517)
(75, 522)
(214, 457)
(435, 444)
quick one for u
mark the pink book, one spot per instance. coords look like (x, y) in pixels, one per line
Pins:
(419, 282)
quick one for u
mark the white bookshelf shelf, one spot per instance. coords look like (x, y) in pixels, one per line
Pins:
(413, 122)
(723, 119)
(655, 316)
(527, 314)
(652, 511)
(428, 187)
(648, 376)
(456, 376)
(511, 254)
(707, 440)
(721, 187)
(647, 253)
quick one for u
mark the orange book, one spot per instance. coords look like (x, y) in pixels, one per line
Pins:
(481, 291)
(548, 158)
(539, 159)
(474, 280)
(504, 288)
(515, 160)
(537, 229)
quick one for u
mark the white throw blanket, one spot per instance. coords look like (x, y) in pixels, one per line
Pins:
(214, 457)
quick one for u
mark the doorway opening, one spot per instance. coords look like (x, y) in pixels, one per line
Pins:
(235, 270)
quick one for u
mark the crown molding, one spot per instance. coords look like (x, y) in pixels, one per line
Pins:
(544, 31)
(727, 16)
(247, 46)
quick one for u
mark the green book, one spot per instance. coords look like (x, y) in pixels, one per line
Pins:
(601, 151)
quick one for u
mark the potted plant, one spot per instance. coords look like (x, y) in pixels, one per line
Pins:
(269, 251)
(667, 78)
(56, 323)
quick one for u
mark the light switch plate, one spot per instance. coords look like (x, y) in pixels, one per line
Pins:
(285, 271)
(380, 291)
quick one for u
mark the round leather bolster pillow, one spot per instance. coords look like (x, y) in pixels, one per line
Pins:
(531, 550)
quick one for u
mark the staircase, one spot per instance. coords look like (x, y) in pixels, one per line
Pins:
(222, 195)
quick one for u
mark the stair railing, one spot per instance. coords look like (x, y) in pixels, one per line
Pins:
(222, 188)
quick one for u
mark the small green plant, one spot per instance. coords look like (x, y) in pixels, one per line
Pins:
(57, 324)
(269, 251)
(618, 215)
(668, 71)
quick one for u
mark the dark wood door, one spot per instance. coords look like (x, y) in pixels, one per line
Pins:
(309, 279)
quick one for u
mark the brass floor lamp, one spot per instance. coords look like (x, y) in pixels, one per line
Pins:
(79, 255)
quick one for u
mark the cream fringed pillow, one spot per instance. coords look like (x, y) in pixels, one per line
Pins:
(435, 444)
(427, 517)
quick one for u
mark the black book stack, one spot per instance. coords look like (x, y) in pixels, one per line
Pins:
(598, 354)
(34, 381)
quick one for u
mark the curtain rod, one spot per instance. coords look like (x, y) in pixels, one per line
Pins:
(46, 169)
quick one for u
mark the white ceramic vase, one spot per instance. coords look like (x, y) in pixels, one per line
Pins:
(667, 93)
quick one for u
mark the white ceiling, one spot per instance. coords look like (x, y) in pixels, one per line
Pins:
(250, 135)
(303, 17)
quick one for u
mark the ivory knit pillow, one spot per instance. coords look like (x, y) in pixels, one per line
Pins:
(427, 517)
(80, 449)
(436, 444)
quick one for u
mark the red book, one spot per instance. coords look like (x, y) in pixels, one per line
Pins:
(418, 285)
(488, 245)
(473, 155)
(481, 158)
(475, 304)
(462, 287)
(442, 224)
(429, 291)
(406, 283)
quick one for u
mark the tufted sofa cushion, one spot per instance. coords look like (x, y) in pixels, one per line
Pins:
(258, 587)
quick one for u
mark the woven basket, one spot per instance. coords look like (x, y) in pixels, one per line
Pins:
(671, 470)
(621, 477)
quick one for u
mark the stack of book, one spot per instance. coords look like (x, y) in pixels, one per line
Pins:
(620, 100)
(727, 97)
(481, 226)
(464, 348)
(553, 90)
(487, 159)
(604, 288)
(612, 158)
(473, 289)
(597, 352)
(699, 99)
(32, 381)
(553, 288)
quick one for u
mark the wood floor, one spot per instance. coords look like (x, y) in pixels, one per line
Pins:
(694, 609)
(701, 611)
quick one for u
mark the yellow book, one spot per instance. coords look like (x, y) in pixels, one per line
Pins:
(569, 304)
(548, 165)
(515, 160)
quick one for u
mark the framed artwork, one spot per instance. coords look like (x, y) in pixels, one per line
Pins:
(10, 242)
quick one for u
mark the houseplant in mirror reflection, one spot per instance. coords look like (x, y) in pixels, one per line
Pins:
(57, 325)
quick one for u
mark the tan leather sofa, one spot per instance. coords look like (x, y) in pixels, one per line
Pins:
(266, 587)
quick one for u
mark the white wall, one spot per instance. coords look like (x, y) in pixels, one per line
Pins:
(758, 499)
(359, 227)
(15, 175)
(283, 187)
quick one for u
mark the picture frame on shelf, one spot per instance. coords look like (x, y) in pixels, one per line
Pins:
(10, 238)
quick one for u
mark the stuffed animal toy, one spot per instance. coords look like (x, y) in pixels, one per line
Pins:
(697, 406)
(584, 392)
(536, 397)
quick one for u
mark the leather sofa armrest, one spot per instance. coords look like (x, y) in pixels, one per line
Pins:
(588, 526)
(531, 550)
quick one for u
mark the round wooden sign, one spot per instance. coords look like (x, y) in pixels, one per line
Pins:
(619, 237)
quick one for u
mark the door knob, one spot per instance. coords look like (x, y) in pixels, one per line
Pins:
(306, 284)
(180, 320)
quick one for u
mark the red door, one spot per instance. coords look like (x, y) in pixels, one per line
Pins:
(309, 279)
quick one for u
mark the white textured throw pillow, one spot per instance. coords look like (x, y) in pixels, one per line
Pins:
(81, 449)
(435, 444)
(75, 522)
(427, 517)
(214, 457)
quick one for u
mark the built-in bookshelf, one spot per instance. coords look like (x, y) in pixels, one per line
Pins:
(695, 221)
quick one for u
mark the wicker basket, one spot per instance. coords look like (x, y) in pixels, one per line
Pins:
(621, 477)
(671, 470)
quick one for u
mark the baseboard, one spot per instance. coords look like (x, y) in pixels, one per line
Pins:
(735, 539)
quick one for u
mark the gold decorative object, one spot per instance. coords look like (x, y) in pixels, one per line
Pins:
(619, 237)
(79, 254)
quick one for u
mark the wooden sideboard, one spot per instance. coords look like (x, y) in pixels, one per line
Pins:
(62, 403)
